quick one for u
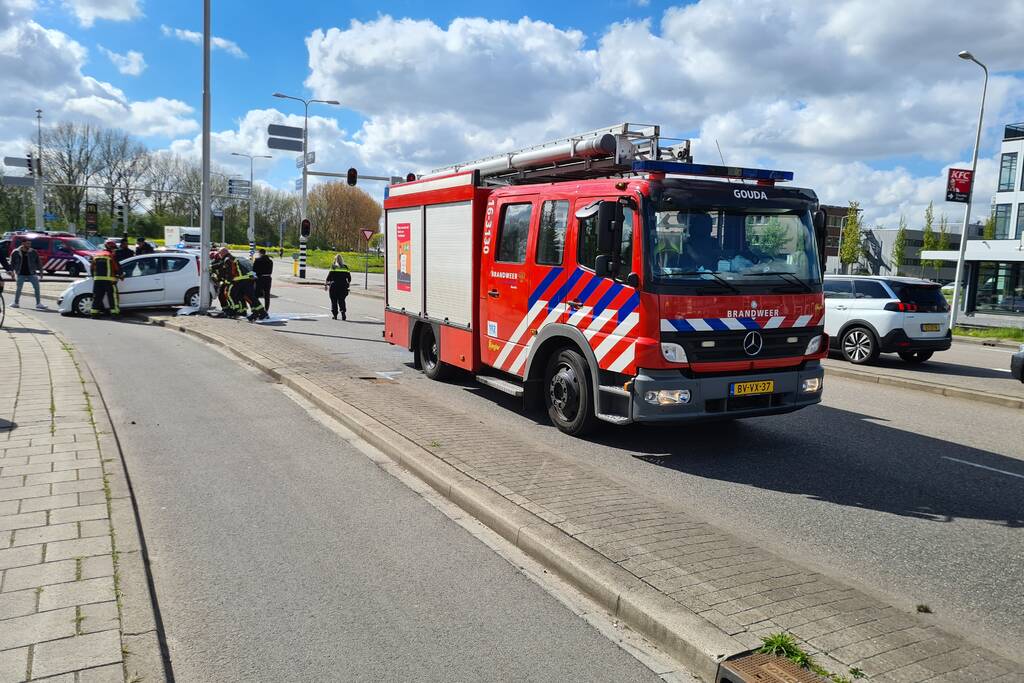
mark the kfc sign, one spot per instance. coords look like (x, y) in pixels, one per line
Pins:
(958, 187)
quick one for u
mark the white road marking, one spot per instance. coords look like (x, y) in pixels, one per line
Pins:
(984, 467)
(1001, 369)
(370, 317)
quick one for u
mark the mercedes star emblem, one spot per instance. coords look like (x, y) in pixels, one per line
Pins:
(753, 305)
(753, 343)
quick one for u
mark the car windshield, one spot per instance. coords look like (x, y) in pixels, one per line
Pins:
(78, 245)
(742, 247)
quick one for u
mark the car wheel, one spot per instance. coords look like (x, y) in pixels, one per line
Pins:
(192, 297)
(568, 394)
(82, 305)
(430, 356)
(915, 357)
(859, 346)
(74, 269)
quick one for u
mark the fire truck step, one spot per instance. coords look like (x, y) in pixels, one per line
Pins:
(510, 388)
(614, 419)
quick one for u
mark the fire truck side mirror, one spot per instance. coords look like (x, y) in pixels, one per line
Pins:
(609, 227)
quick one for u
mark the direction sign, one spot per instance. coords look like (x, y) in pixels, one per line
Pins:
(50, 217)
(298, 183)
(310, 160)
(367, 234)
(21, 162)
(8, 181)
(284, 131)
(241, 192)
(286, 144)
(217, 213)
(237, 182)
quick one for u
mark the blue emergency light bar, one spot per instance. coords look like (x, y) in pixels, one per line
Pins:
(679, 168)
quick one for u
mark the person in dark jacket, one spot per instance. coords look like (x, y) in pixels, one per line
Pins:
(123, 251)
(26, 268)
(263, 267)
(338, 280)
(143, 247)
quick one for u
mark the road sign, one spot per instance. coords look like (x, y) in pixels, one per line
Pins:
(21, 162)
(50, 217)
(958, 185)
(367, 234)
(217, 213)
(237, 182)
(8, 181)
(298, 183)
(241, 193)
(285, 144)
(310, 160)
(284, 131)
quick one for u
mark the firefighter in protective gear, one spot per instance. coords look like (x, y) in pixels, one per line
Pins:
(105, 273)
(243, 287)
(220, 283)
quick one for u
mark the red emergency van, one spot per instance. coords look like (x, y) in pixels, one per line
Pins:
(62, 251)
(608, 278)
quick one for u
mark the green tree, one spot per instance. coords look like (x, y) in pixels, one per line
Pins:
(851, 249)
(899, 246)
(771, 238)
(989, 231)
(942, 243)
(928, 241)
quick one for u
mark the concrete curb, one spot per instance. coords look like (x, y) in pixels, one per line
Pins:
(928, 387)
(985, 341)
(142, 641)
(695, 642)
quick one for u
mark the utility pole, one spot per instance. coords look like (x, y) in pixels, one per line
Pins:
(204, 218)
(40, 224)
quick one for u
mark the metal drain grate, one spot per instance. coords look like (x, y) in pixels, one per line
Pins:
(764, 668)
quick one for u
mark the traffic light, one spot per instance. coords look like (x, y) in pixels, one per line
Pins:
(353, 175)
(31, 165)
(120, 217)
(304, 229)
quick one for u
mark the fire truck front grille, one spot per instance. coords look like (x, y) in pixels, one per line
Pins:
(711, 347)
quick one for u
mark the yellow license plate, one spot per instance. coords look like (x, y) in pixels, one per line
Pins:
(765, 386)
(930, 327)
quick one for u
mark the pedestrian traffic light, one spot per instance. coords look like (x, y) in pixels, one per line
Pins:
(353, 175)
(120, 216)
(31, 165)
(304, 229)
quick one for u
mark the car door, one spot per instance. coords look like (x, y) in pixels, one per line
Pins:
(143, 283)
(838, 297)
(508, 305)
(869, 300)
(178, 278)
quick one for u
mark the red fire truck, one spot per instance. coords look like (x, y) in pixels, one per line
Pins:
(606, 277)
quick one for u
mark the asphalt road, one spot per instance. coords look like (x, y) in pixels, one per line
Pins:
(912, 496)
(282, 553)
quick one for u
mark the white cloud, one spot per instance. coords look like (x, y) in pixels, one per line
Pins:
(88, 11)
(53, 81)
(130, 63)
(827, 89)
(196, 38)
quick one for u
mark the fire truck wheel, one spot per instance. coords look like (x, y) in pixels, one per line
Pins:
(430, 356)
(567, 393)
(859, 346)
(74, 269)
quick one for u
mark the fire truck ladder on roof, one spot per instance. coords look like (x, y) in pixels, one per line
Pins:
(595, 154)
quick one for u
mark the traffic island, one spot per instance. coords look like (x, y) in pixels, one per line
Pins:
(700, 594)
(75, 601)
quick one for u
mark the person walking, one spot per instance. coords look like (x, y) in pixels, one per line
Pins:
(123, 251)
(106, 271)
(26, 268)
(338, 280)
(143, 247)
(263, 266)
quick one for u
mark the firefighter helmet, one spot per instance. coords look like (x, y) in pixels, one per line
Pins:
(110, 245)
(223, 252)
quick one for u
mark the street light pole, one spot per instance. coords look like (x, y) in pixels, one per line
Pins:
(204, 211)
(252, 223)
(967, 210)
(305, 151)
(40, 223)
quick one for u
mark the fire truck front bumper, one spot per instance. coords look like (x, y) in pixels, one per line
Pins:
(669, 396)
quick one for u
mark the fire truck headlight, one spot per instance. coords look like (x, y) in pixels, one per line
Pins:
(814, 345)
(673, 353)
(667, 397)
(810, 386)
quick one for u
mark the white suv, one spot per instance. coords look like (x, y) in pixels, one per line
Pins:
(866, 315)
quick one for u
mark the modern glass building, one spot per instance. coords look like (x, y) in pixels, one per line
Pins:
(995, 263)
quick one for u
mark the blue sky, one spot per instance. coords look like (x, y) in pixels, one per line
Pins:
(863, 101)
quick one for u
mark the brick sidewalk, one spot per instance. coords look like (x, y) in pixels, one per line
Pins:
(744, 590)
(59, 613)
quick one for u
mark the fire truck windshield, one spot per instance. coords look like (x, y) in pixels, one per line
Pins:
(737, 248)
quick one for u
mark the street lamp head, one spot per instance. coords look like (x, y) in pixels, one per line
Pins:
(238, 154)
(280, 94)
(964, 54)
(332, 102)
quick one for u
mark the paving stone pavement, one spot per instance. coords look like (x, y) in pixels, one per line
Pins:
(744, 590)
(59, 614)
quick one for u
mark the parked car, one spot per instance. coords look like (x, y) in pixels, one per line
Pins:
(150, 281)
(869, 315)
(58, 251)
(1017, 364)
